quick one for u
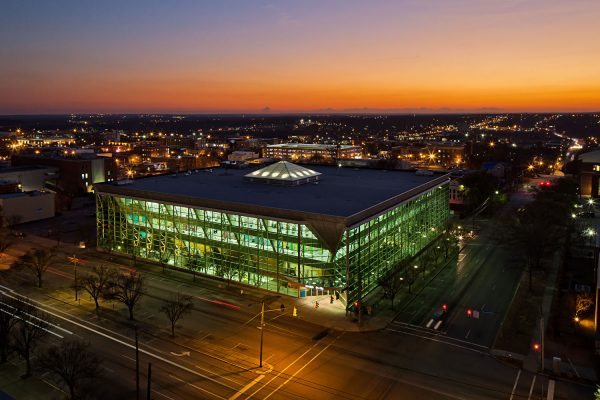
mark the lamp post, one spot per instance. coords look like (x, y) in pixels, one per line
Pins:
(262, 328)
(75, 261)
(262, 332)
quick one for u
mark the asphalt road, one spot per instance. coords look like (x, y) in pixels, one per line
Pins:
(215, 353)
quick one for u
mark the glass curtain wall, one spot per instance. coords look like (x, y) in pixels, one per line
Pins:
(270, 254)
(385, 242)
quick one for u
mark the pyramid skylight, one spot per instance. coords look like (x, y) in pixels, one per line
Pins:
(283, 173)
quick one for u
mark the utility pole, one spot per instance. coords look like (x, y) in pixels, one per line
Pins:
(262, 330)
(137, 366)
(75, 261)
(149, 390)
(542, 341)
(75, 270)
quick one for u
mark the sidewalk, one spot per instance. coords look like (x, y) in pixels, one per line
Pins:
(328, 315)
(12, 386)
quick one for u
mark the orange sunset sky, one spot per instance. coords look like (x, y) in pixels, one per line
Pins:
(299, 56)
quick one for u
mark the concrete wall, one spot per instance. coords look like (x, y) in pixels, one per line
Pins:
(31, 206)
(32, 179)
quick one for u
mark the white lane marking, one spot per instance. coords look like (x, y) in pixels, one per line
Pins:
(437, 334)
(573, 367)
(512, 394)
(304, 366)
(162, 394)
(437, 325)
(467, 335)
(196, 387)
(131, 346)
(285, 369)
(248, 386)
(31, 323)
(445, 342)
(39, 319)
(551, 384)
(531, 388)
(429, 323)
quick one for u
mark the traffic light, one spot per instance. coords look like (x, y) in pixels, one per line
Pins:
(295, 312)
(469, 313)
(536, 346)
(444, 307)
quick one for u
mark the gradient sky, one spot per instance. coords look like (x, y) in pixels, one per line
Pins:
(298, 56)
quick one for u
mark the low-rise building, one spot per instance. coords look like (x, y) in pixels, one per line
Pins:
(300, 151)
(19, 207)
(29, 177)
(587, 167)
(242, 156)
(77, 173)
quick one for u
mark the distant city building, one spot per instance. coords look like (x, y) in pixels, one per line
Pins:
(29, 177)
(240, 155)
(587, 167)
(434, 153)
(299, 151)
(180, 142)
(19, 207)
(77, 173)
(46, 141)
(283, 228)
(457, 193)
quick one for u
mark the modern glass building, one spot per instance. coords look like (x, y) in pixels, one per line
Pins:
(284, 228)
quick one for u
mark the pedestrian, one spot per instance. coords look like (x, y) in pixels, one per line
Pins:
(282, 307)
(330, 299)
(316, 305)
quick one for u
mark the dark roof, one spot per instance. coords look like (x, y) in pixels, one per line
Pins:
(341, 192)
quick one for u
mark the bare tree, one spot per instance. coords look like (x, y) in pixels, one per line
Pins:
(30, 328)
(5, 243)
(37, 262)
(98, 282)
(534, 231)
(127, 289)
(227, 265)
(72, 364)
(583, 303)
(176, 307)
(391, 285)
(8, 321)
(163, 259)
(12, 220)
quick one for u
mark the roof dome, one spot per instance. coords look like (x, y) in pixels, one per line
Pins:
(283, 173)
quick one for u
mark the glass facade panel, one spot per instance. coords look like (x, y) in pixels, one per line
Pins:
(278, 256)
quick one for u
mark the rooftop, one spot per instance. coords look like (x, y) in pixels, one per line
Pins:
(339, 193)
(590, 157)
(310, 146)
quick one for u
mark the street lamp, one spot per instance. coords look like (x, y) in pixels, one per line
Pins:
(262, 328)
(75, 261)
